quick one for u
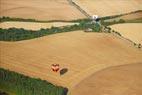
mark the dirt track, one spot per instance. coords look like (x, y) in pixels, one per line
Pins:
(39, 9)
(33, 25)
(81, 53)
(132, 31)
(120, 80)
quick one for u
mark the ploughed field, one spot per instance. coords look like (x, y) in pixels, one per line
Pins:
(131, 31)
(82, 54)
(109, 7)
(39, 9)
(33, 25)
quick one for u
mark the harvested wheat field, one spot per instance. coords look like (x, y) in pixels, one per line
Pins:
(131, 16)
(137, 15)
(120, 80)
(33, 25)
(131, 31)
(81, 53)
(109, 7)
(39, 9)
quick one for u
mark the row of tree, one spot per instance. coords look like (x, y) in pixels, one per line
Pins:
(23, 85)
(5, 18)
(107, 23)
(17, 34)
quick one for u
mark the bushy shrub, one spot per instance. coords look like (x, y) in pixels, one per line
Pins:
(107, 23)
(139, 45)
(135, 44)
(96, 27)
(117, 33)
(121, 21)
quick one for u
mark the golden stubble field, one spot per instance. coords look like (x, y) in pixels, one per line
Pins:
(33, 25)
(109, 7)
(131, 31)
(137, 15)
(128, 17)
(86, 55)
(119, 80)
(39, 9)
(81, 53)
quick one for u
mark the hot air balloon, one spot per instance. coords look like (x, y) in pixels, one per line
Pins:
(55, 67)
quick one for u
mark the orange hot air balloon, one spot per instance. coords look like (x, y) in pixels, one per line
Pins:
(55, 67)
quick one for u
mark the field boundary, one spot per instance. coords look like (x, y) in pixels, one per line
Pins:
(79, 8)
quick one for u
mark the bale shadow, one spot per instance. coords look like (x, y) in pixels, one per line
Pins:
(63, 71)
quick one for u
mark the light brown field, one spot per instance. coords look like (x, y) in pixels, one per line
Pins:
(131, 31)
(81, 53)
(109, 7)
(39, 9)
(131, 16)
(137, 15)
(33, 25)
(120, 80)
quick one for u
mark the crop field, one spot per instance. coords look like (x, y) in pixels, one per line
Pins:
(81, 53)
(33, 25)
(39, 9)
(132, 31)
(101, 57)
(109, 7)
(131, 16)
(113, 81)
(137, 15)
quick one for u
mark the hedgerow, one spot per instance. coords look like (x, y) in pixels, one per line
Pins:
(24, 85)
(5, 18)
(17, 34)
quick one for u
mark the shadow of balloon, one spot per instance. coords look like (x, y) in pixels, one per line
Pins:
(63, 71)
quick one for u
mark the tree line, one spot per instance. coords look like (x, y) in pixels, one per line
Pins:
(5, 18)
(17, 34)
(24, 85)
